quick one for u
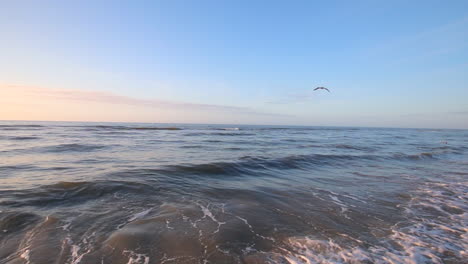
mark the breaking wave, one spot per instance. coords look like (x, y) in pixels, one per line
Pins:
(248, 165)
(435, 232)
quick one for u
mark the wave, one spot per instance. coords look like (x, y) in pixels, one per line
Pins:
(69, 193)
(454, 149)
(154, 128)
(419, 156)
(255, 165)
(424, 155)
(61, 148)
(17, 167)
(310, 128)
(192, 147)
(212, 141)
(354, 147)
(11, 170)
(24, 138)
(11, 222)
(73, 148)
(228, 128)
(126, 128)
(195, 134)
(249, 165)
(234, 148)
(20, 126)
(230, 134)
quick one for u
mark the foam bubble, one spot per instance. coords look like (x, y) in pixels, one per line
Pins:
(136, 258)
(25, 256)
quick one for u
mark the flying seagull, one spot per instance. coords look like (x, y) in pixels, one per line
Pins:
(321, 88)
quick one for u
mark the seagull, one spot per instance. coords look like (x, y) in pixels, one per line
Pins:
(321, 88)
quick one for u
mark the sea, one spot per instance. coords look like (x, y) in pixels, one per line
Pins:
(128, 193)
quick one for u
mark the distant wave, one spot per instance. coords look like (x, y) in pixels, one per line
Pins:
(192, 146)
(354, 147)
(21, 126)
(16, 168)
(450, 149)
(234, 148)
(424, 155)
(194, 134)
(212, 141)
(230, 134)
(309, 128)
(9, 171)
(154, 128)
(227, 133)
(73, 148)
(419, 156)
(24, 138)
(228, 128)
(104, 127)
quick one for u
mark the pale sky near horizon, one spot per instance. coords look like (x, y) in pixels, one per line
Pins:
(387, 63)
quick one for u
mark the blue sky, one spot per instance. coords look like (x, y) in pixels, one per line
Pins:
(388, 63)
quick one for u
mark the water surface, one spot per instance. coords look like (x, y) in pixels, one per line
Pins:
(172, 193)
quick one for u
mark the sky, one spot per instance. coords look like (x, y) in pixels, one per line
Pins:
(387, 63)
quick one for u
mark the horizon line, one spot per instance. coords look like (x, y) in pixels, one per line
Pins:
(230, 124)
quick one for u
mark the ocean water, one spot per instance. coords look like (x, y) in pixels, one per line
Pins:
(172, 193)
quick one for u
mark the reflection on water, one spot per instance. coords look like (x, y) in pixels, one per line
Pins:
(166, 193)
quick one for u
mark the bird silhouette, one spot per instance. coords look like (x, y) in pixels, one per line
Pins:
(321, 88)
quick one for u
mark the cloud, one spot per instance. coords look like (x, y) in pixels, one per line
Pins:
(458, 113)
(294, 98)
(434, 114)
(291, 99)
(111, 98)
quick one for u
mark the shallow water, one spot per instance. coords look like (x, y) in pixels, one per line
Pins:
(172, 193)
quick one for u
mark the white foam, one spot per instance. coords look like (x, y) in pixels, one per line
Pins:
(79, 250)
(25, 256)
(183, 259)
(423, 239)
(342, 205)
(245, 221)
(66, 226)
(252, 230)
(167, 225)
(207, 212)
(76, 256)
(139, 215)
(136, 258)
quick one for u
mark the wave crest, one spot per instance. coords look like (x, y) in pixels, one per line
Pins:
(70, 193)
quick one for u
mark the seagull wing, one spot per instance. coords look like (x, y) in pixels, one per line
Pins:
(321, 88)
